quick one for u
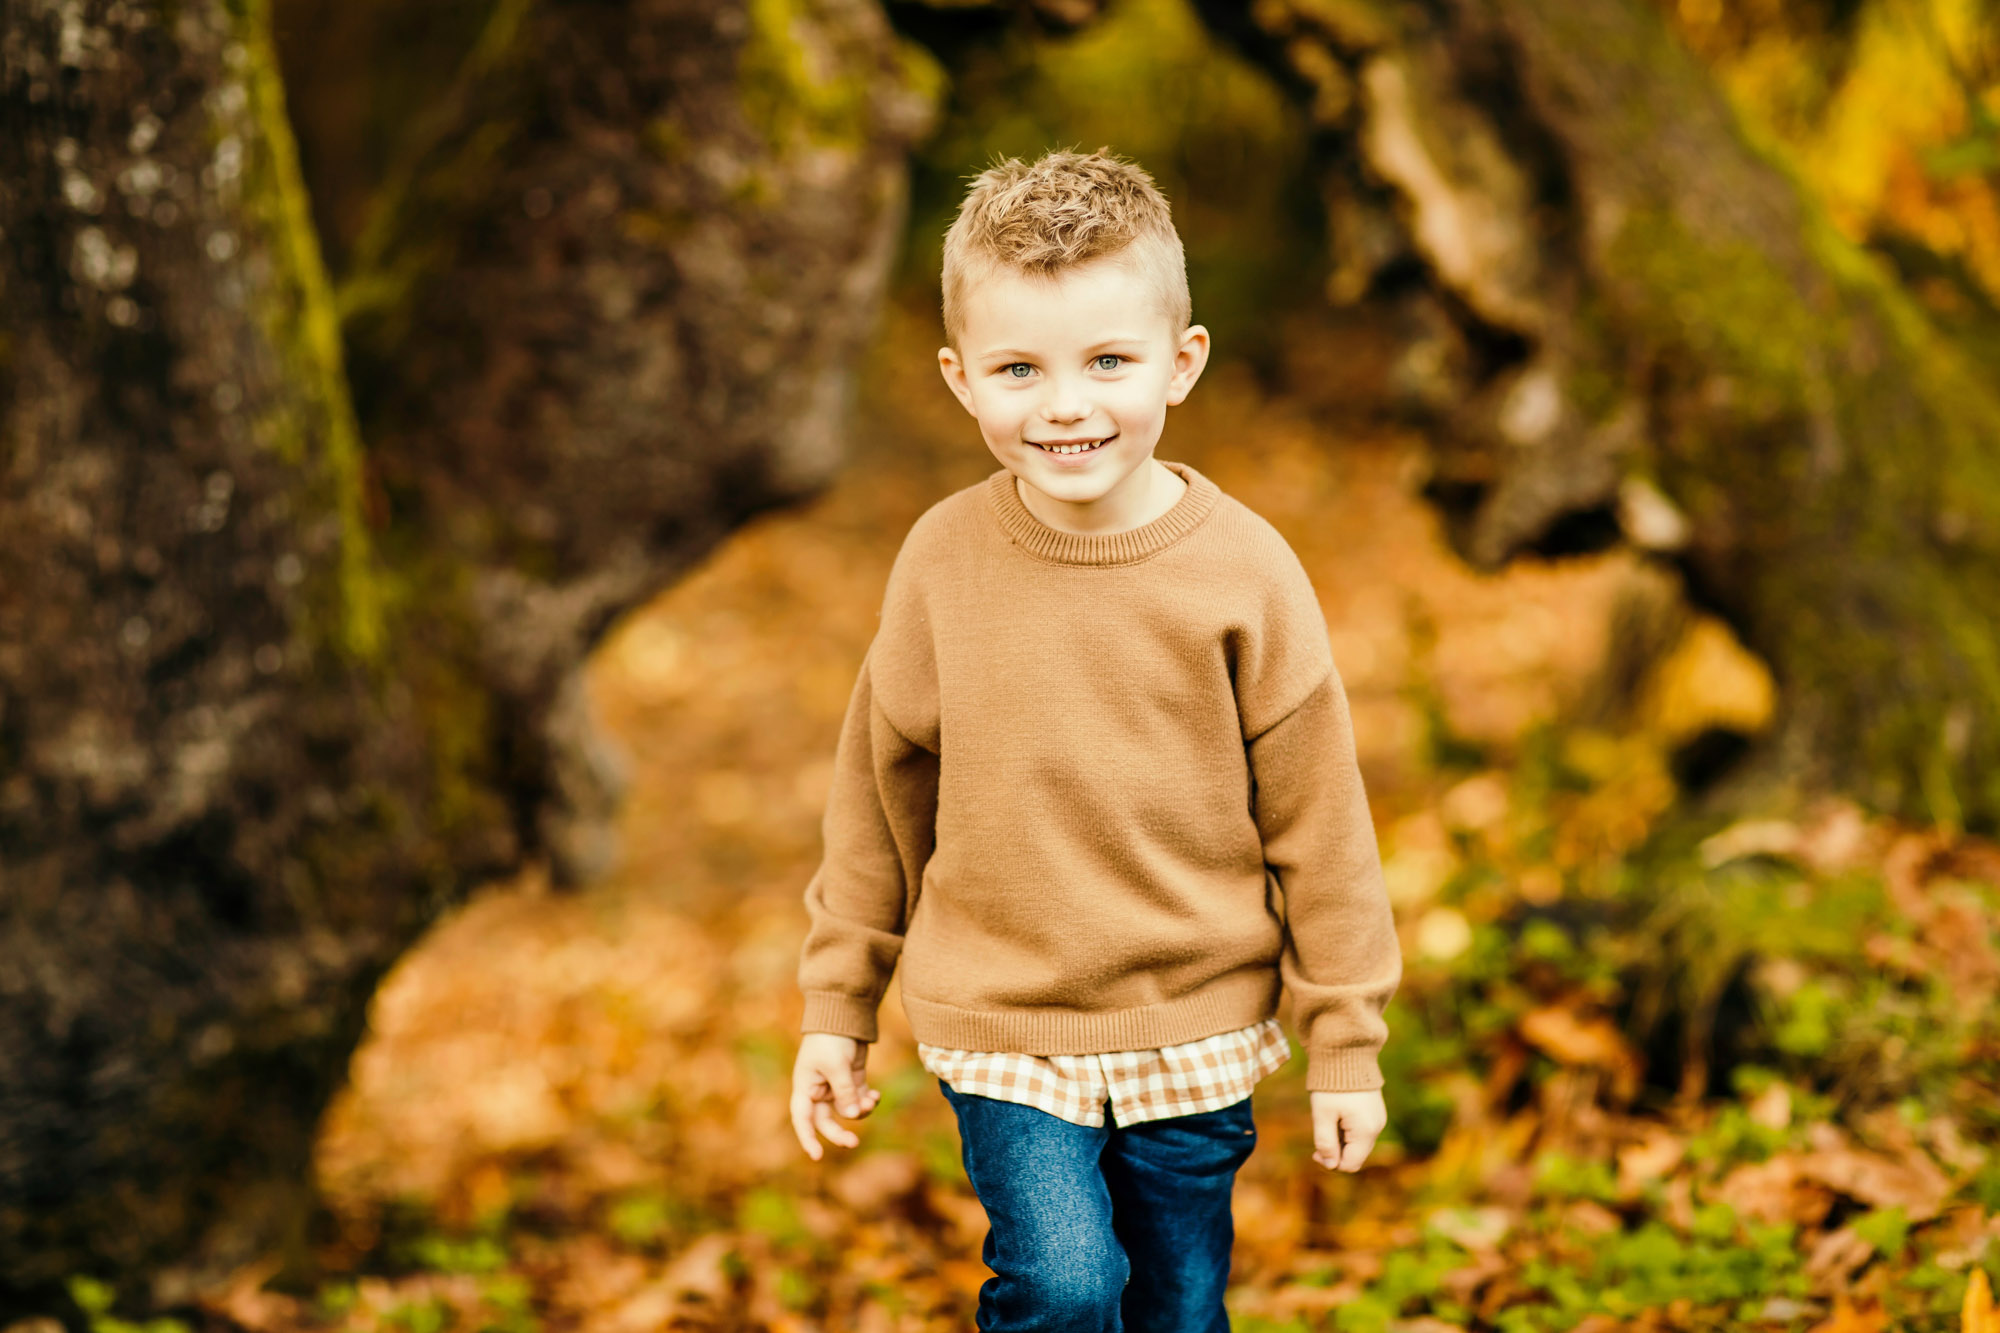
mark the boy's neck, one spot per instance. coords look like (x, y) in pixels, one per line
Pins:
(1148, 493)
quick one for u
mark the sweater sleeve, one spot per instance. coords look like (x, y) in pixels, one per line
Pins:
(878, 830)
(1340, 959)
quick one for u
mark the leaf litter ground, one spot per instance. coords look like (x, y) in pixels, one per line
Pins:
(1644, 1074)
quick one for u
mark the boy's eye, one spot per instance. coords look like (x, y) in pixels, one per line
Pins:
(1020, 370)
(1110, 361)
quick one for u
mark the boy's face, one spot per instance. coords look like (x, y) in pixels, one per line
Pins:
(1070, 377)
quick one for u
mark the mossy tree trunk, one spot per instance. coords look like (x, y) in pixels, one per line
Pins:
(1647, 330)
(286, 667)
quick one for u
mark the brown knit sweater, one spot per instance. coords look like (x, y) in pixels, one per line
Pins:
(1099, 793)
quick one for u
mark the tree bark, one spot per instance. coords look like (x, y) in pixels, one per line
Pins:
(606, 309)
(285, 668)
(1646, 330)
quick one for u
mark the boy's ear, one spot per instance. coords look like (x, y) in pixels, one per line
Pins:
(1189, 360)
(953, 371)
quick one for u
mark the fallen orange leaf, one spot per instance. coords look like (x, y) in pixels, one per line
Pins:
(1847, 1319)
(1834, 1257)
(1979, 1314)
(1911, 1183)
(1560, 1033)
(1651, 1158)
(1775, 1190)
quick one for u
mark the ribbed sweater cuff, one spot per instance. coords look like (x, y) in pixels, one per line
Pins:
(1346, 1069)
(842, 1015)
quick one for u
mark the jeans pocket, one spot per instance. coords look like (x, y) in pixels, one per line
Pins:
(1206, 1144)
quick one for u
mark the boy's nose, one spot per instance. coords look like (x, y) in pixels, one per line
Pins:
(1062, 404)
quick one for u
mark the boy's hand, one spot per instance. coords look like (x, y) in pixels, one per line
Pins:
(831, 1072)
(1345, 1127)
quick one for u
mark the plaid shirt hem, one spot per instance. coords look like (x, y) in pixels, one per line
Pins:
(1184, 1079)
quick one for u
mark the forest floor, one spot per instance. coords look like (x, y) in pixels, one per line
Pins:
(1748, 1076)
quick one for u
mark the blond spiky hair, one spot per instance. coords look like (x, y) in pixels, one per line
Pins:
(1064, 209)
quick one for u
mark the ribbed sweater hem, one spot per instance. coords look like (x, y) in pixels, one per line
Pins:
(1235, 1002)
(1232, 1002)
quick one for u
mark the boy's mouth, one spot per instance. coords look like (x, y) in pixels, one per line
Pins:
(1071, 446)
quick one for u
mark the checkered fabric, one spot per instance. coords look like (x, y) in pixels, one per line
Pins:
(1192, 1077)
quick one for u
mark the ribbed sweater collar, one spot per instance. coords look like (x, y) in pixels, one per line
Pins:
(1116, 548)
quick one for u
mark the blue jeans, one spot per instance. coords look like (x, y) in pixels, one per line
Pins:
(1074, 1212)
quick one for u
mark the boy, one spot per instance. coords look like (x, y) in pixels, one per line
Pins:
(1097, 789)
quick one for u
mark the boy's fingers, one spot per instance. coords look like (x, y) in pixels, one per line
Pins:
(802, 1124)
(1342, 1145)
(823, 1121)
(1357, 1140)
(1355, 1150)
(1345, 1129)
(1326, 1142)
(847, 1093)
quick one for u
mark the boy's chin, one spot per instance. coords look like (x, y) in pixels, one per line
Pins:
(1070, 488)
(1076, 485)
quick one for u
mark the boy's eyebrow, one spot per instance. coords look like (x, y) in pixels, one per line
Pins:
(1017, 354)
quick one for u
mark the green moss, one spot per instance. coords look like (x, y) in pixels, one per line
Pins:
(796, 84)
(650, 227)
(499, 40)
(458, 718)
(756, 191)
(427, 598)
(1873, 435)
(666, 138)
(412, 227)
(409, 234)
(1965, 408)
(1726, 300)
(1596, 392)
(1595, 385)
(303, 325)
(375, 593)
(1355, 25)
(920, 72)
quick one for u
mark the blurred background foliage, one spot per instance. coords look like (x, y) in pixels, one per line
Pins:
(1889, 111)
(1885, 108)
(1151, 80)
